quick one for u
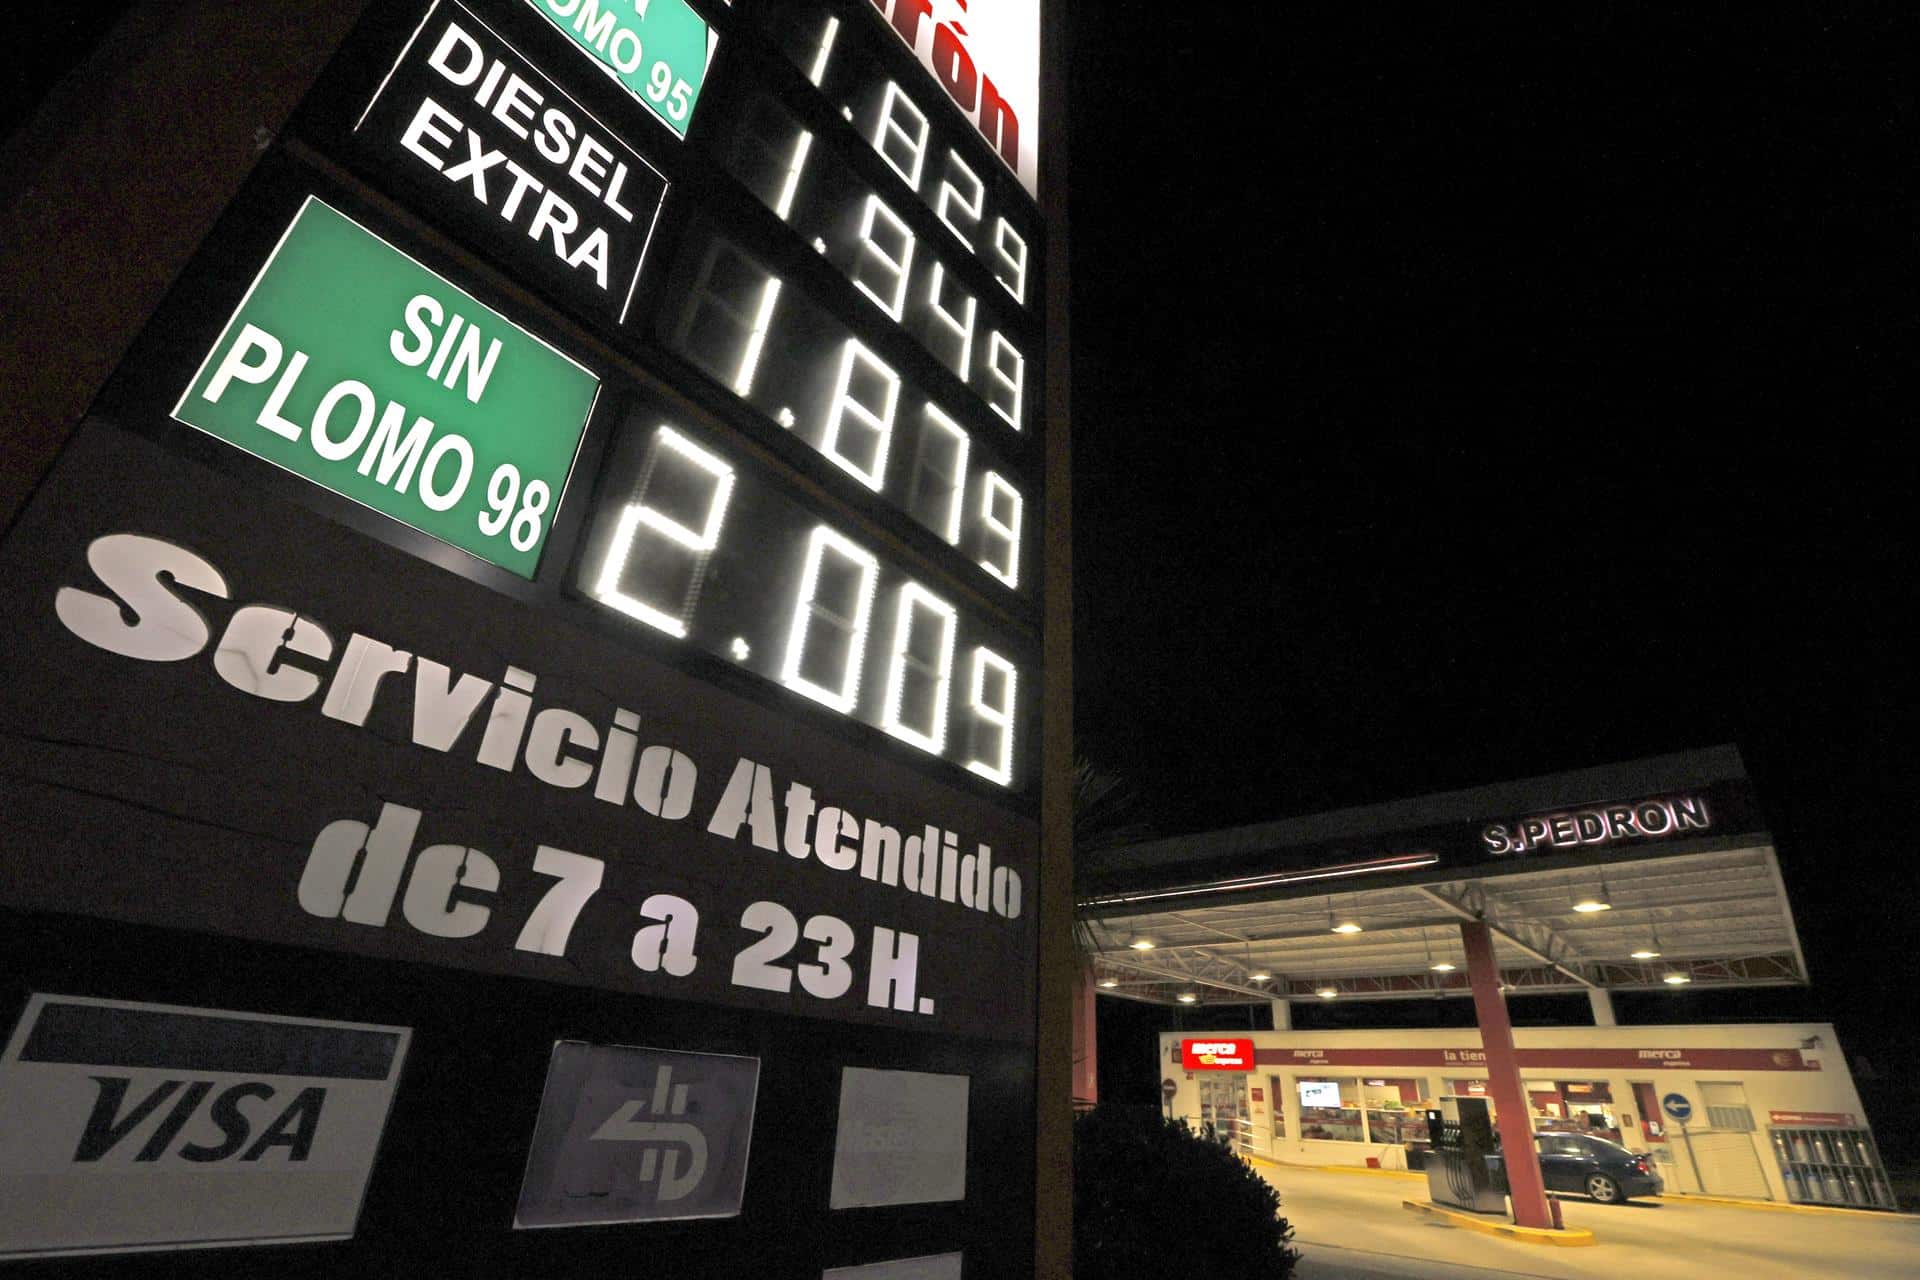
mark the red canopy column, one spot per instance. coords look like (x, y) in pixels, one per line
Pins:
(1086, 1041)
(1514, 1117)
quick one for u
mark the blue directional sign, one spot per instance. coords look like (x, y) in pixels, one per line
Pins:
(1677, 1105)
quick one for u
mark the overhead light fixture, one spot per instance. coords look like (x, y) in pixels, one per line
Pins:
(1348, 926)
(1646, 953)
(1142, 944)
(1187, 997)
(1327, 993)
(1677, 979)
(1344, 925)
(1437, 966)
(1109, 983)
(1441, 966)
(1259, 975)
(1595, 902)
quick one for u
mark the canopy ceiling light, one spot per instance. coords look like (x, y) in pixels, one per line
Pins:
(1187, 997)
(1437, 966)
(1594, 902)
(1109, 983)
(1677, 979)
(1253, 974)
(1652, 950)
(1346, 924)
(1142, 944)
(1327, 993)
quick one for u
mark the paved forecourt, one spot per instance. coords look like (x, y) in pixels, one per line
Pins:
(1351, 1225)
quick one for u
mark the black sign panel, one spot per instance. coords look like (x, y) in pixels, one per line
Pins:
(499, 150)
(228, 713)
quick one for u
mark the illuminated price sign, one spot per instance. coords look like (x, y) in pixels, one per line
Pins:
(696, 546)
(350, 364)
(736, 318)
(985, 216)
(910, 282)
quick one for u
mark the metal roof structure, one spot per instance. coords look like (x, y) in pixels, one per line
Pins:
(1255, 913)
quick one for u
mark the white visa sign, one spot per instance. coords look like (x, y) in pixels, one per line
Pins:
(144, 1126)
(986, 55)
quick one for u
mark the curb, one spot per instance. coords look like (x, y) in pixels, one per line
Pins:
(1568, 1239)
(1334, 1168)
(1778, 1206)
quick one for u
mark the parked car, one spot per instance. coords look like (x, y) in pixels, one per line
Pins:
(1592, 1166)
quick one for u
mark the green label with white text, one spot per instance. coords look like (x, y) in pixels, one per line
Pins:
(657, 50)
(352, 365)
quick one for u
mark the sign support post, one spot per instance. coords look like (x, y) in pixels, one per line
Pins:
(1059, 958)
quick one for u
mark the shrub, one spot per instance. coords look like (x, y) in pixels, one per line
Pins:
(1153, 1199)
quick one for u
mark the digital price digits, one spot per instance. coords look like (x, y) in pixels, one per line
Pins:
(841, 63)
(831, 210)
(803, 370)
(695, 550)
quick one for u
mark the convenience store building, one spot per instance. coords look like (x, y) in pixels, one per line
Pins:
(1772, 1113)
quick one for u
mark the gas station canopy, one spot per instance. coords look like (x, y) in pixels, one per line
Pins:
(1631, 877)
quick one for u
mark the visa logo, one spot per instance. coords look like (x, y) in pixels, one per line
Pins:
(121, 1116)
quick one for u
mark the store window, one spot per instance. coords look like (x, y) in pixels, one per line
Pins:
(1653, 1122)
(1330, 1109)
(1726, 1103)
(1279, 1112)
(1396, 1110)
(1574, 1106)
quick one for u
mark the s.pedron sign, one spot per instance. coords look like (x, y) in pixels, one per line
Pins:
(350, 364)
(1599, 824)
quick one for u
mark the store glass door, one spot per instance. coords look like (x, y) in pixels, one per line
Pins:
(1223, 1106)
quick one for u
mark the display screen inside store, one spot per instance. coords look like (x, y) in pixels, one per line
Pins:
(693, 543)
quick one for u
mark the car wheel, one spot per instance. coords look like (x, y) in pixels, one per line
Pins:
(1604, 1189)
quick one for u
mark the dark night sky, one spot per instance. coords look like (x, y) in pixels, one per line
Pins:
(1463, 393)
